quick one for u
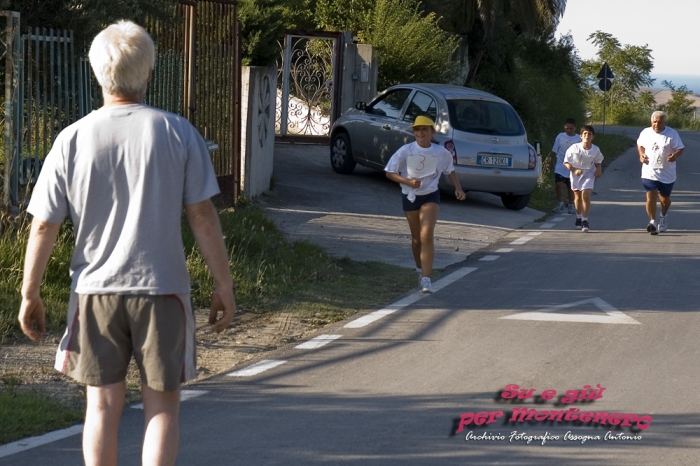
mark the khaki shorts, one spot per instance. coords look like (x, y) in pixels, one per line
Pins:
(104, 331)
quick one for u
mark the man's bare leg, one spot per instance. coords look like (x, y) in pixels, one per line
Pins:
(162, 431)
(104, 408)
(665, 204)
(651, 203)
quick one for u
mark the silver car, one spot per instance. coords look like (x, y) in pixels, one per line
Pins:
(483, 132)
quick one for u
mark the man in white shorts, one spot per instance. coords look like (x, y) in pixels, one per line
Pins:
(583, 160)
(122, 175)
(659, 147)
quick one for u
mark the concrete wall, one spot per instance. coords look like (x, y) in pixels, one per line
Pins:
(258, 94)
(359, 75)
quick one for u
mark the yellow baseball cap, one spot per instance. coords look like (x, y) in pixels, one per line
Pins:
(423, 121)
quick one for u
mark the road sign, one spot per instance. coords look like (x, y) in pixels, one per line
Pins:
(610, 315)
(605, 85)
(606, 72)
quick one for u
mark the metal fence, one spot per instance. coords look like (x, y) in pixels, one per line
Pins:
(197, 75)
(49, 85)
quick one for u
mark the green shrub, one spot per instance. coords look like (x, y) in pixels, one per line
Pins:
(410, 47)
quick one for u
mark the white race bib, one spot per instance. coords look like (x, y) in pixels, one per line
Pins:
(421, 166)
(582, 160)
(656, 160)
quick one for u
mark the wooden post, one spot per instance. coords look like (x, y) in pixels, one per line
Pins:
(11, 33)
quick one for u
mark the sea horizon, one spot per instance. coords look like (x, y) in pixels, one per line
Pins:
(691, 81)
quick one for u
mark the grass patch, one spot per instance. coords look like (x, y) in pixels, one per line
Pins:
(611, 145)
(28, 414)
(271, 274)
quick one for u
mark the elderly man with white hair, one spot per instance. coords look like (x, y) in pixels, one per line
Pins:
(122, 175)
(659, 146)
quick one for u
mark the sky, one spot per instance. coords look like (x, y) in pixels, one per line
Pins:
(669, 28)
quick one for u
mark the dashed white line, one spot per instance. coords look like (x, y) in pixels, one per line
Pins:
(522, 240)
(534, 233)
(489, 258)
(184, 396)
(318, 342)
(408, 300)
(505, 250)
(557, 219)
(547, 225)
(33, 442)
(256, 368)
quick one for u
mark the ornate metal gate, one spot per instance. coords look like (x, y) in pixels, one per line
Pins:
(308, 86)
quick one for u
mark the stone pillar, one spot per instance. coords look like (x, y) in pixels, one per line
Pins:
(359, 75)
(258, 94)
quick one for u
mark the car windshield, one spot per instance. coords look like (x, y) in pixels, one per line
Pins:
(484, 117)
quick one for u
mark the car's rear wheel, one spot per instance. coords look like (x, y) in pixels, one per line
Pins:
(341, 154)
(515, 201)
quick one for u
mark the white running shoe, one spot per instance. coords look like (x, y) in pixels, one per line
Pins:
(560, 207)
(425, 285)
(572, 209)
(651, 228)
(663, 224)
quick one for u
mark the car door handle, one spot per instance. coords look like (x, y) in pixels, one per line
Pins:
(386, 128)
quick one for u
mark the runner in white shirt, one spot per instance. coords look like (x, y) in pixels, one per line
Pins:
(417, 167)
(584, 162)
(561, 173)
(659, 146)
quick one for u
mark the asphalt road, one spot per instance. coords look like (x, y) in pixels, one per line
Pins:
(547, 307)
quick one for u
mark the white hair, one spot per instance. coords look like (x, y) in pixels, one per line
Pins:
(659, 113)
(122, 57)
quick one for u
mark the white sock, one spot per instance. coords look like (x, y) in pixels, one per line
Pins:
(663, 216)
(419, 270)
(578, 216)
(584, 218)
(652, 221)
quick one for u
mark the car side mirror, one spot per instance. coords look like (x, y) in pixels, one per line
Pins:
(360, 105)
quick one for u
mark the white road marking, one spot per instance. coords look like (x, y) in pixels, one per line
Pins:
(534, 233)
(318, 342)
(547, 225)
(408, 300)
(184, 396)
(256, 368)
(522, 240)
(33, 442)
(612, 315)
(505, 250)
(557, 219)
(489, 258)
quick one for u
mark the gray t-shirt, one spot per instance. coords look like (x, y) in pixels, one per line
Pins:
(123, 174)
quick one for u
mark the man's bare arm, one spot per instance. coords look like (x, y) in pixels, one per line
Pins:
(42, 238)
(204, 222)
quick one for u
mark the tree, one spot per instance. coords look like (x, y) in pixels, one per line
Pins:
(345, 15)
(679, 107)
(263, 23)
(86, 18)
(409, 44)
(480, 24)
(410, 47)
(631, 65)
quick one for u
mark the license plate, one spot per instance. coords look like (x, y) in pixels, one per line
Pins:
(494, 160)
